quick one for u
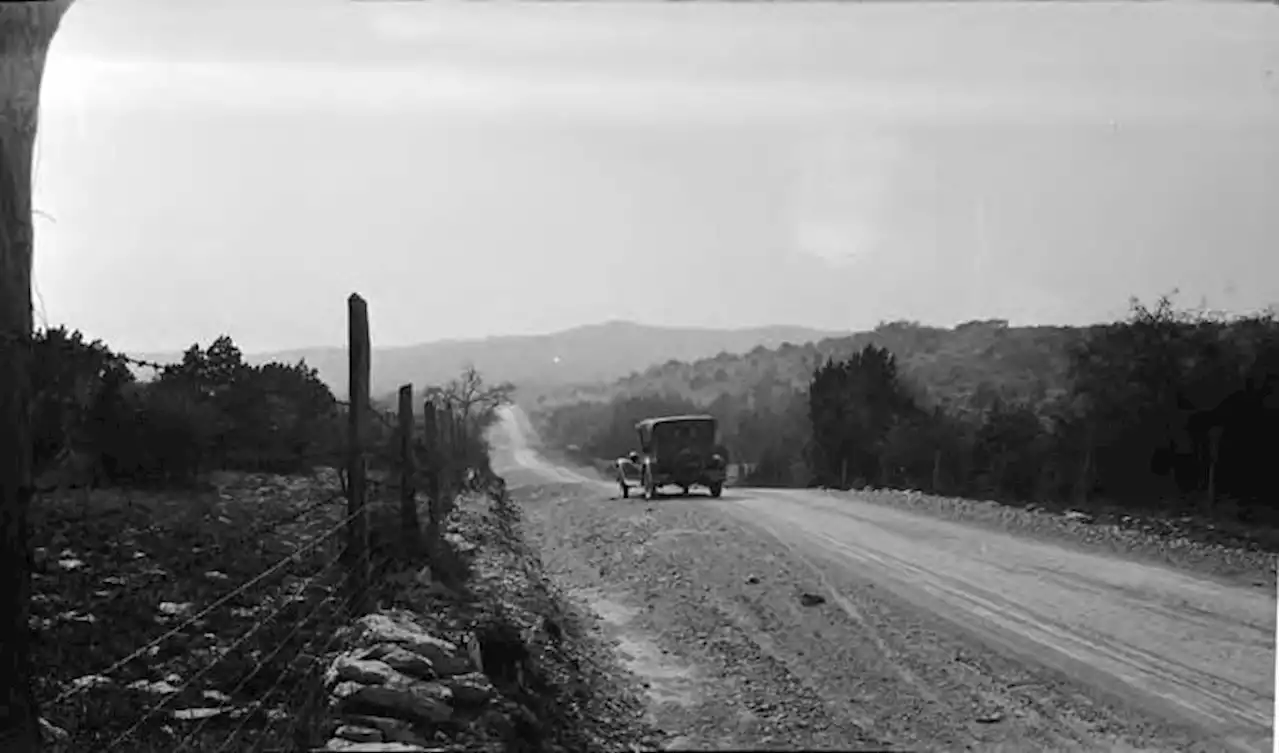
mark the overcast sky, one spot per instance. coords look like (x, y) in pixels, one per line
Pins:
(240, 166)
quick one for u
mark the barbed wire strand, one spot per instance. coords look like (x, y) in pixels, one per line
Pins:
(278, 684)
(71, 692)
(319, 656)
(208, 667)
(310, 693)
(275, 686)
(261, 663)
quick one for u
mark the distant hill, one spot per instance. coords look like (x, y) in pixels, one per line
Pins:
(590, 354)
(949, 366)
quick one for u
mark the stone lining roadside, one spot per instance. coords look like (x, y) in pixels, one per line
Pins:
(505, 663)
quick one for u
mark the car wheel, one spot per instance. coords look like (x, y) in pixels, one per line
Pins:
(716, 489)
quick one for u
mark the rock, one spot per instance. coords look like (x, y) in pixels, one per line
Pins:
(497, 724)
(197, 714)
(459, 543)
(473, 652)
(338, 743)
(393, 730)
(363, 671)
(400, 629)
(472, 689)
(51, 733)
(413, 701)
(159, 688)
(409, 663)
(811, 600)
(89, 681)
(359, 734)
(552, 630)
(753, 579)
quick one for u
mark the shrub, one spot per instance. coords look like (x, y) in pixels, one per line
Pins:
(211, 411)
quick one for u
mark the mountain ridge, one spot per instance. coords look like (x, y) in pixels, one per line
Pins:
(948, 364)
(589, 353)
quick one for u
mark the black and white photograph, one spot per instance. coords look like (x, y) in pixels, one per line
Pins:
(595, 376)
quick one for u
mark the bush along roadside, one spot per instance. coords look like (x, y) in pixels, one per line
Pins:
(487, 656)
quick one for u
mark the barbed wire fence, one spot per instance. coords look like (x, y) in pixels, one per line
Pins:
(257, 682)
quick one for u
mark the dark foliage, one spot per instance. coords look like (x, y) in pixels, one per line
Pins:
(95, 422)
(1164, 409)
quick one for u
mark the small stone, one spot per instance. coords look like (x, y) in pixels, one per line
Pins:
(409, 663)
(359, 734)
(349, 746)
(52, 733)
(471, 689)
(399, 628)
(427, 702)
(811, 600)
(363, 671)
(393, 730)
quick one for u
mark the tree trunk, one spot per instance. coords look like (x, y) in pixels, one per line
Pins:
(1215, 441)
(1085, 480)
(26, 30)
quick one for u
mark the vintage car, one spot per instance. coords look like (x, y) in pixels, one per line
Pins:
(674, 451)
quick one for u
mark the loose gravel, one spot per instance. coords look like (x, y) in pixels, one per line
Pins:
(782, 656)
(1228, 551)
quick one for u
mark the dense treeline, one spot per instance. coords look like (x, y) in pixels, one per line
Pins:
(210, 411)
(977, 360)
(94, 422)
(1164, 407)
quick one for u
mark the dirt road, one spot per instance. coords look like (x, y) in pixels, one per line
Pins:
(788, 617)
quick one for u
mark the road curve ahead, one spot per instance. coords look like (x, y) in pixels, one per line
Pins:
(1165, 647)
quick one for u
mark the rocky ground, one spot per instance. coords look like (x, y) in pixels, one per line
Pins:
(745, 643)
(563, 620)
(1218, 548)
(177, 621)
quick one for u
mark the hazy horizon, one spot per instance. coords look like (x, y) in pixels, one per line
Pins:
(341, 345)
(479, 170)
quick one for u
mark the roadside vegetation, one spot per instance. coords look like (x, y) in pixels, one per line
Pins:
(191, 579)
(1169, 411)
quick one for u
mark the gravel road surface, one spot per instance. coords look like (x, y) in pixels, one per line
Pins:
(798, 618)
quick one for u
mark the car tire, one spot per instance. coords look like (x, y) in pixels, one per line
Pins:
(716, 489)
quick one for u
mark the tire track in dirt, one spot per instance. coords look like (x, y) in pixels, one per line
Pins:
(1211, 692)
(1060, 733)
(912, 647)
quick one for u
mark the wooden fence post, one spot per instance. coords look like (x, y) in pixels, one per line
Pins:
(446, 452)
(358, 389)
(460, 455)
(449, 472)
(408, 493)
(26, 30)
(431, 456)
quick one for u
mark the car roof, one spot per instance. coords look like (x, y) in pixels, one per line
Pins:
(649, 423)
